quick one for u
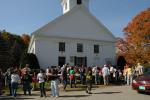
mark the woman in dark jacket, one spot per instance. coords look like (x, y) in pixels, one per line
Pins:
(26, 81)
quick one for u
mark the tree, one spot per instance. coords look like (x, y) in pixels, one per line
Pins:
(15, 54)
(4, 53)
(121, 62)
(31, 59)
(137, 34)
(11, 48)
(26, 39)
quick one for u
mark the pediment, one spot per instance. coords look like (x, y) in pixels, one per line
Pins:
(77, 23)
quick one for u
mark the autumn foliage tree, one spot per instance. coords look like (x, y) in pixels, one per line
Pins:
(11, 48)
(136, 43)
(26, 39)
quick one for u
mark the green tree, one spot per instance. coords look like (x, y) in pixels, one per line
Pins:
(11, 48)
(31, 59)
(16, 52)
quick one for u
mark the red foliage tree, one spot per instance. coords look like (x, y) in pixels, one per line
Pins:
(137, 38)
(26, 39)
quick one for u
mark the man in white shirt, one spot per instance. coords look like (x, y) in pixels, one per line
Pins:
(96, 73)
(106, 74)
(111, 73)
(139, 69)
(41, 78)
(15, 79)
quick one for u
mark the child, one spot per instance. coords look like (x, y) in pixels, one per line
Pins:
(41, 79)
(89, 80)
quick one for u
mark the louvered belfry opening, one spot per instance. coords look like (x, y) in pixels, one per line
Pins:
(79, 2)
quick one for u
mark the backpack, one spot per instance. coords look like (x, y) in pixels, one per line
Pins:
(88, 76)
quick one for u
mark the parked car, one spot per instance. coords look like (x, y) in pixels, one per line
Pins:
(142, 83)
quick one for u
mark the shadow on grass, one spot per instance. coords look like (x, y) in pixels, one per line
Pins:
(12, 98)
(107, 92)
(77, 96)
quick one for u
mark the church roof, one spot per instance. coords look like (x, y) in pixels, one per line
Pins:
(66, 26)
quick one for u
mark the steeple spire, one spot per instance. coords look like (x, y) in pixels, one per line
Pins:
(67, 5)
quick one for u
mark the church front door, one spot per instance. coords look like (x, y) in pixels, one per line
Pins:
(79, 61)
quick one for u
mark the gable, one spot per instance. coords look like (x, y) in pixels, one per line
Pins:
(78, 23)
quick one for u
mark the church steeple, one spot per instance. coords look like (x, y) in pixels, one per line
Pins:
(67, 5)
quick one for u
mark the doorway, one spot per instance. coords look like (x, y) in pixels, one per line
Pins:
(79, 61)
(61, 61)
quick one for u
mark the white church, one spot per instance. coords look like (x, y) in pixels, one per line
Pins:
(76, 37)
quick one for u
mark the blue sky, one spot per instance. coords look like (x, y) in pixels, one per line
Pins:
(26, 16)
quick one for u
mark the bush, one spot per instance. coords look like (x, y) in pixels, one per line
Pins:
(31, 59)
(147, 65)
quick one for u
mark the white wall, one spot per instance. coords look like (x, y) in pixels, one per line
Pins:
(32, 49)
(47, 51)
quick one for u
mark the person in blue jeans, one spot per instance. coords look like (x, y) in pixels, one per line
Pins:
(15, 79)
(82, 74)
(54, 82)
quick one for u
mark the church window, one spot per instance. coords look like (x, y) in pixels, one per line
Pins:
(61, 46)
(79, 47)
(96, 48)
(79, 2)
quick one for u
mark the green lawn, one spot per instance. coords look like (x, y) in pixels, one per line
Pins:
(47, 86)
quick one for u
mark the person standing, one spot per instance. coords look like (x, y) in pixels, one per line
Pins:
(34, 80)
(106, 74)
(8, 79)
(41, 79)
(1, 81)
(26, 81)
(72, 77)
(64, 76)
(15, 80)
(125, 73)
(96, 73)
(112, 72)
(129, 75)
(89, 80)
(26, 69)
(139, 69)
(82, 74)
(54, 82)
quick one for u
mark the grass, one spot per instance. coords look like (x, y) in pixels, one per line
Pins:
(47, 86)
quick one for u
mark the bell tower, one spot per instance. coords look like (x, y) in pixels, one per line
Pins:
(67, 5)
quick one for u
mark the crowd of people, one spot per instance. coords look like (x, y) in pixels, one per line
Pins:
(131, 72)
(65, 75)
